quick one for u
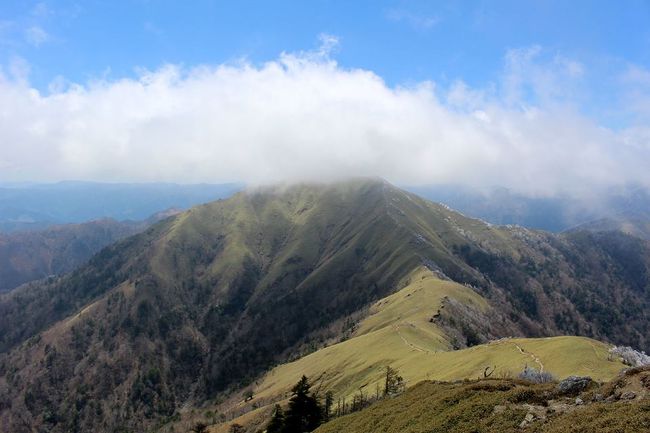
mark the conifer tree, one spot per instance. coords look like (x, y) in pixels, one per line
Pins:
(304, 413)
(277, 422)
(200, 427)
(329, 401)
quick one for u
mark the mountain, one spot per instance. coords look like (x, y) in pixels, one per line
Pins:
(56, 250)
(37, 206)
(201, 304)
(502, 206)
(632, 223)
(554, 213)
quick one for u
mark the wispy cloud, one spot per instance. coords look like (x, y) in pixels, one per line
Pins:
(36, 36)
(533, 75)
(303, 116)
(328, 44)
(636, 82)
(41, 11)
(416, 21)
(28, 28)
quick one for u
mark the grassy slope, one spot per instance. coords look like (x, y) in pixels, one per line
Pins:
(228, 288)
(397, 332)
(470, 407)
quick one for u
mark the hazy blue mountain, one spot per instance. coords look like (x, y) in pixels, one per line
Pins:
(36, 206)
(632, 223)
(34, 254)
(556, 214)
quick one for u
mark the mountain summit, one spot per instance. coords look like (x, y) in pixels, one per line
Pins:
(205, 302)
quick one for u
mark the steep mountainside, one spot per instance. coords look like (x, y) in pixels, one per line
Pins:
(208, 300)
(28, 256)
(409, 331)
(403, 330)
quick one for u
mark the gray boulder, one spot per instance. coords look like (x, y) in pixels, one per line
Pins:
(574, 384)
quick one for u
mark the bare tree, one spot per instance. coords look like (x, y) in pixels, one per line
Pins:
(394, 383)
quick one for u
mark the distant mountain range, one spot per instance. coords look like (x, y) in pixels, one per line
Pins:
(199, 306)
(632, 223)
(31, 255)
(555, 213)
(36, 206)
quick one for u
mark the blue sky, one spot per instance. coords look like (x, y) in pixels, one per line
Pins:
(539, 96)
(402, 41)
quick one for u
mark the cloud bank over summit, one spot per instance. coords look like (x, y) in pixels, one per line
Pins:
(302, 116)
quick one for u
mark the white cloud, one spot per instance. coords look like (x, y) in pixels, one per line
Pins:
(19, 70)
(328, 45)
(534, 76)
(304, 117)
(36, 36)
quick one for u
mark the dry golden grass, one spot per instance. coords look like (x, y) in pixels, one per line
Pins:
(397, 332)
(472, 407)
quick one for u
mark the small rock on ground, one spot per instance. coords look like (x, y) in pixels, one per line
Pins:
(630, 395)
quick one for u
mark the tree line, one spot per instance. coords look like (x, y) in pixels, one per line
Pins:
(305, 412)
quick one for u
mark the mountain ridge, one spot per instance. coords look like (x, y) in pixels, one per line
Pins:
(632, 223)
(205, 302)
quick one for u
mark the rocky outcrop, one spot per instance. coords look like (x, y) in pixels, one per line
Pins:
(574, 385)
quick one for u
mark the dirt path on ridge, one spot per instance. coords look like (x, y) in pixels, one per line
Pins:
(532, 355)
